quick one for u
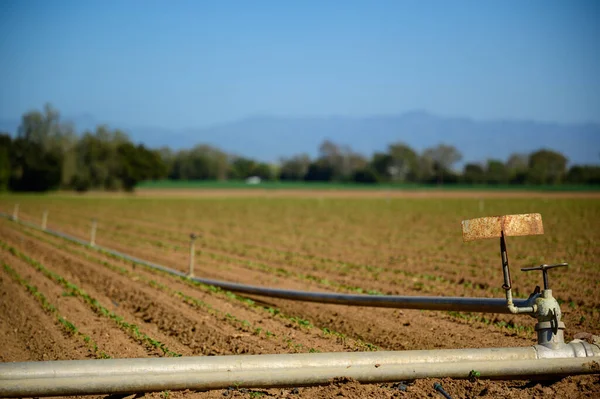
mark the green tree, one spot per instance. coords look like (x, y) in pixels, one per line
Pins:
(380, 164)
(319, 171)
(137, 163)
(38, 152)
(443, 157)
(337, 162)
(583, 174)
(202, 162)
(242, 168)
(473, 174)
(517, 167)
(365, 175)
(496, 172)
(331, 158)
(98, 160)
(5, 164)
(547, 167)
(404, 163)
(35, 169)
(294, 168)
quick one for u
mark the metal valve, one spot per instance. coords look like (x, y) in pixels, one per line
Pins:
(544, 269)
(540, 304)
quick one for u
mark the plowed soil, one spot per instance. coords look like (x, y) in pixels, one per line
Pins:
(60, 300)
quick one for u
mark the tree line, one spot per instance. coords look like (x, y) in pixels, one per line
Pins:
(435, 165)
(47, 154)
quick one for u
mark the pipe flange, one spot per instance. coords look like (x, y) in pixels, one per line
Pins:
(550, 333)
(548, 325)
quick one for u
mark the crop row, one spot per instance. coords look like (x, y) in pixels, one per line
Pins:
(416, 282)
(195, 302)
(327, 272)
(256, 256)
(72, 289)
(52, 310)
(159, 236)
(503, 322)
(132, 243)
(473, 276)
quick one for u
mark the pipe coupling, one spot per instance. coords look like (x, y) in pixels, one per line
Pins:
(550, 333)
(575, 348)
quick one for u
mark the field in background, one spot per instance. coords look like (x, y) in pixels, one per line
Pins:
(387, 245)
(284, 185)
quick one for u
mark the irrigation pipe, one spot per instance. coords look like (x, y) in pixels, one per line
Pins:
(112, 376)
(462, 304)
(122, 376)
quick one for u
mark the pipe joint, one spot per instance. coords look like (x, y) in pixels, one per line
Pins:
(530, 306)
(574, 349)
(522, 309)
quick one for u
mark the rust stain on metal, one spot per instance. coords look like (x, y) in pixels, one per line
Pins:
(589, 338)
(493, 226)
(593, 365)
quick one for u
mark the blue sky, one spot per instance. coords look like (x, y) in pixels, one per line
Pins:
(183, 64)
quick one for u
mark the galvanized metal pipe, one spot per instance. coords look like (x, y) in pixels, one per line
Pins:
(460, 304)
(264, 371)
(125, 367)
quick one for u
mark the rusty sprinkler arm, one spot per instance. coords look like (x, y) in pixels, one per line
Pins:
(507, 286)
(502, 226)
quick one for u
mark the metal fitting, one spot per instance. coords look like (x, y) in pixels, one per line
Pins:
(438, 387)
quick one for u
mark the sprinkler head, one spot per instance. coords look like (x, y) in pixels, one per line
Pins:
(193, 236)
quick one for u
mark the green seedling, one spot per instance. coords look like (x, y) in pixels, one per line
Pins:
(52, 310)
(474, 375)
(302, 322)
(131, 329)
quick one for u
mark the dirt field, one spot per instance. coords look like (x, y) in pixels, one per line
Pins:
(60, 300)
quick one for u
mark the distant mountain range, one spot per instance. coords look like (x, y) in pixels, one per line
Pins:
(269, 138)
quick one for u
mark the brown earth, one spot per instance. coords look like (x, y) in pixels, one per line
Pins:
(303, 252)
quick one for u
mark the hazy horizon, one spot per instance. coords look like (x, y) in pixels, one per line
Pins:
(188, 64)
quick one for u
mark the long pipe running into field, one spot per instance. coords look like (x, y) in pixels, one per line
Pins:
(121, 376)
(459, 304)
(112, 376)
